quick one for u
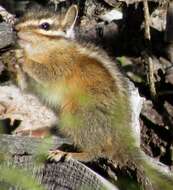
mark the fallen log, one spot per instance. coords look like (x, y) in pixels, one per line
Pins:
(52, 175)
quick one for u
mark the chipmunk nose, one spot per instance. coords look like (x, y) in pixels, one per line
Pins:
(14, 30)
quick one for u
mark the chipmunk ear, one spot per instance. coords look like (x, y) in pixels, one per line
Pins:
(70, 20)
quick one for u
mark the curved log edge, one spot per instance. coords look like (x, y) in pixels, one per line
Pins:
(53, 175)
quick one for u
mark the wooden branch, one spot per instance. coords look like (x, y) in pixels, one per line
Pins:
(53, 175)
(147, 20)
(148, 59)
(151, 78)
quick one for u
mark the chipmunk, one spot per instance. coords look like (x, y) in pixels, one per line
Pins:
(84, 86)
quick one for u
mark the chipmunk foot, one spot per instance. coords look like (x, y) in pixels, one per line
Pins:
(58, 155)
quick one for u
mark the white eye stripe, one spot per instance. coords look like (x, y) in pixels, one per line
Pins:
(29, 23)
(53, 33)
(36, 22)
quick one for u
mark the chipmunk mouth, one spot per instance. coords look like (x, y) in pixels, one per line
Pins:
(22, 39)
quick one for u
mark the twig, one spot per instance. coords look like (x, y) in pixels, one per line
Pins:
(151, 79)
(148, 59)
(146, 20)
(167, 92)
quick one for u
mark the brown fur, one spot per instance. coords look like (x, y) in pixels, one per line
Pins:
(64, 62)
(83, 84)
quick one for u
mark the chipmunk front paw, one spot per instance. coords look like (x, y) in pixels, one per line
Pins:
(58, 155)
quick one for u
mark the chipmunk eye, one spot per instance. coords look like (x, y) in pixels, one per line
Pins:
(45, 26)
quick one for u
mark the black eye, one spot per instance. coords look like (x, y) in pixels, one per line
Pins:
(45, 26)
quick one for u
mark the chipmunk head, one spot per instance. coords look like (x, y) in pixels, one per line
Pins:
(38, 25)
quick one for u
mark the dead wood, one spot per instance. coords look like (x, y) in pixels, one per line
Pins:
(61, 175)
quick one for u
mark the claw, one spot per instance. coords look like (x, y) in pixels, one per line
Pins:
(11, 109)
(7, 111)
(57, 155)
(68, 156)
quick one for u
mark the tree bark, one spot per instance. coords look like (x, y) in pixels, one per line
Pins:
(53, 175)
